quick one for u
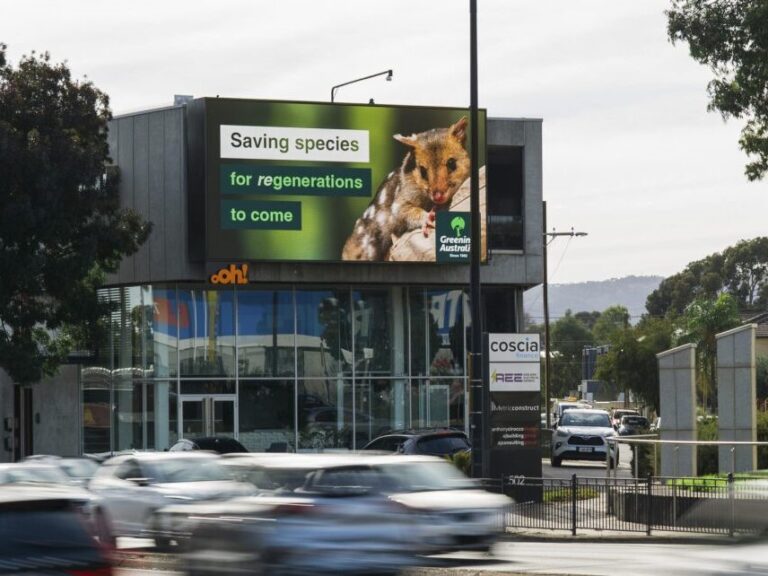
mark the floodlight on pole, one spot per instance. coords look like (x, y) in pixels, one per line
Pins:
(335, 88)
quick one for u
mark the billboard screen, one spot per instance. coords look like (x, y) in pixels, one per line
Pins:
(297, 181)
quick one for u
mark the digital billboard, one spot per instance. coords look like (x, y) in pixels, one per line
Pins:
(298, 181)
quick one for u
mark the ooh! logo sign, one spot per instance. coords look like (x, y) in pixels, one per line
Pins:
(231, 275)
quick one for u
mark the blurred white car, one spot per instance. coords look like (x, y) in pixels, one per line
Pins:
(352, 513)
(453, 512)
(133, 487)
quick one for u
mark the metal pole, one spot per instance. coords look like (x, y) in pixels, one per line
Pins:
(545, 297)
(476, 373)
(574, 494)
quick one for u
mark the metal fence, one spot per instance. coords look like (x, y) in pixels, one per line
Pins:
(697, 505)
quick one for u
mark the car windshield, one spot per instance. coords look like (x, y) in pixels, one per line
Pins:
(79, 467)
(596, 420)
(634, 421)
(425, 476)
(188, 470)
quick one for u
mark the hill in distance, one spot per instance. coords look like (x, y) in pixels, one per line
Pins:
(630, 292)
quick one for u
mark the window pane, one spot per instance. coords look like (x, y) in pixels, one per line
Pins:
(162, 431)
(505, 197)
(417, 319)
(127, 321)
(325, 414)
(206, 342)
(163, 320)
(266, 415)
(265, 333)
(446, 352)
(382, 406)
(379, 343)
(324, 340)
(438, 403)
(96, 410)
(128, 414)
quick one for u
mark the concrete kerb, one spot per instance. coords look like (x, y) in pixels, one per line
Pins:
(656, 537)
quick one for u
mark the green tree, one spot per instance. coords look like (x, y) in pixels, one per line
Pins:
(740, 270)
(746, 271)
(613, 320)
(701, 278)
(630, 362)
(704, 318)
(61, 226)
(567, 339)
(729, 36)
(588, 318)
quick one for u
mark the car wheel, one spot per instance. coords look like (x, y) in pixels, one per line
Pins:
(556, 461)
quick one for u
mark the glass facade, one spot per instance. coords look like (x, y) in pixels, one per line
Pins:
(281, 368)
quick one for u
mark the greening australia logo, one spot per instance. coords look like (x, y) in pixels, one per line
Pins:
(452, 237)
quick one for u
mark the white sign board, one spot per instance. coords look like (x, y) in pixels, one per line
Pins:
(514, 363)
(513, 348)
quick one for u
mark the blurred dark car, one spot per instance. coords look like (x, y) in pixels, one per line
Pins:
(432, 442)
(631, 425)
(218, 444)
(45, 530)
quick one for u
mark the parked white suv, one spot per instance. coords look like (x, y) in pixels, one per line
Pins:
(581, 435)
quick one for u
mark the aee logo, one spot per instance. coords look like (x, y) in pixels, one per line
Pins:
(512, 346)
(231, 275)
(508, 377)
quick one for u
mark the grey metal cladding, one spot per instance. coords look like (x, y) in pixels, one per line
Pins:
(175, 198)
(155, 187)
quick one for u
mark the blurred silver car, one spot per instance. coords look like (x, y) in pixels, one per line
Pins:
(316, 513)
(453, 512)
(133, 487)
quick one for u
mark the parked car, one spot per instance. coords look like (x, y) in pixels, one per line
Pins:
(134, 486)
(44, 530)
(432, 442)
(631, 425)
(218, 444)
(581, 435)
(618, 413)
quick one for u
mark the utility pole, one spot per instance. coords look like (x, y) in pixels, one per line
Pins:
(477, 395)
(545, 295)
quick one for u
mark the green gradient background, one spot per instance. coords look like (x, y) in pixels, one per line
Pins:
(326, 221)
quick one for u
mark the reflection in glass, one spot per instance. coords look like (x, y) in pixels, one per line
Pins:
(324, 333)
(96, 410)
(266, 410)
(265, 333)
(128, 414)
(206, 343)
(325, 414)
(438, 403)
(381, 406)
(378, 335)
(162, 322)
(446, 317)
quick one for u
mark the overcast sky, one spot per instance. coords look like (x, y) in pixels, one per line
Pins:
(631, 155)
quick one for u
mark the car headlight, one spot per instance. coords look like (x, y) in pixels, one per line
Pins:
(561, 434)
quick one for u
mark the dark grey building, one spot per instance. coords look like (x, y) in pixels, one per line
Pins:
(305, 355)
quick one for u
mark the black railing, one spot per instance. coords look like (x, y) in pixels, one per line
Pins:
(698, 505)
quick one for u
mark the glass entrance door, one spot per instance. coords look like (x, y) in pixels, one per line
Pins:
(207, 416)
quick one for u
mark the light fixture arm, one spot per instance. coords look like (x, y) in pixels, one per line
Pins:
(335, 88)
